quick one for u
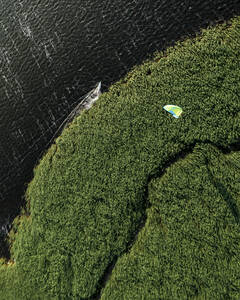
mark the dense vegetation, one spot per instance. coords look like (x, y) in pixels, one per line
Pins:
(189, 247)
(105, 175)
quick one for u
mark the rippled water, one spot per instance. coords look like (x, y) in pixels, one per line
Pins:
(54, 52)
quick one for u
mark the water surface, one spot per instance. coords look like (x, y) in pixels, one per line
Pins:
(54, 52)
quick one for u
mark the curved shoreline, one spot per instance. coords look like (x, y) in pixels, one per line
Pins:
(131, 138)
(60, 52)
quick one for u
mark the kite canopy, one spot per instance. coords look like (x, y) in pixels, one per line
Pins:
(174, 110)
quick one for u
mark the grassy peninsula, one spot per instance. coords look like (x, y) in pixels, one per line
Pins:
(127, 166)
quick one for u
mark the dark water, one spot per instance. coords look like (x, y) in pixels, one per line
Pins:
(53, 52)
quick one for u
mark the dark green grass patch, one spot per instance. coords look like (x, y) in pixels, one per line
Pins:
(89, 192)
(190, 245)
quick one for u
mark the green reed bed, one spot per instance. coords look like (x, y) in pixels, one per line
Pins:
(94, 187)
(190, 245)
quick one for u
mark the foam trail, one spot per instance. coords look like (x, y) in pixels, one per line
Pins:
(85, 104)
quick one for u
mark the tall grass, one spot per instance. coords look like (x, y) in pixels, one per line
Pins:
(89, 194)
(189, 247)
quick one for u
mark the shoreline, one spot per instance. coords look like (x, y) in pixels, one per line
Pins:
(89, 190)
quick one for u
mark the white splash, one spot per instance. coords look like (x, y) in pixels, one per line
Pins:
(5, 226)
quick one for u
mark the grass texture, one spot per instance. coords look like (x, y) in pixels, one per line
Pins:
(127, 160)
(189, 247)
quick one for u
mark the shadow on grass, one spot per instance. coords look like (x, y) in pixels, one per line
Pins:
(157, 173)
(227, 197)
